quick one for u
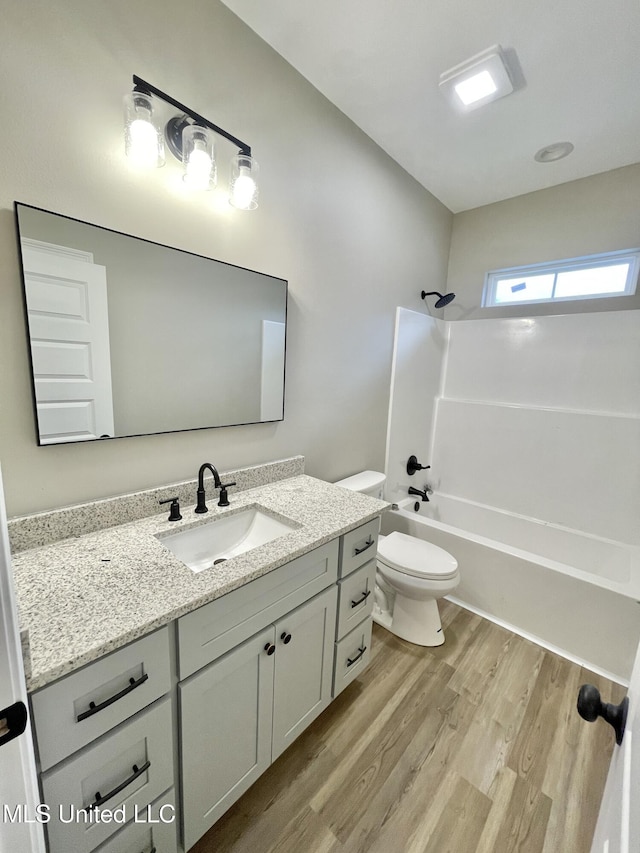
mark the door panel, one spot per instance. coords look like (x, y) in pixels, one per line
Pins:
(226, 714)
(618, 828)
(303, 667)
(18, 783)
(69, 329)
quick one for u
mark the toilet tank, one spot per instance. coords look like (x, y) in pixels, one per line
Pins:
(366, 482)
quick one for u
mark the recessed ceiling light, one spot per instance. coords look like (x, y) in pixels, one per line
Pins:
(475, 88)
(553, 152)
(478, 81)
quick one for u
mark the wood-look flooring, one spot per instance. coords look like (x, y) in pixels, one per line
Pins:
(472, 747)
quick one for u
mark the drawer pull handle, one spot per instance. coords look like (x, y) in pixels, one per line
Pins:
(137, 771)
(361, 651)
(365, 595)
(269, 648)
(286, 638)
(366, 545)
(93, 708)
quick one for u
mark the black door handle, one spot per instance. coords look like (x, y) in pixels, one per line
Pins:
(590, 707)
(13, 721)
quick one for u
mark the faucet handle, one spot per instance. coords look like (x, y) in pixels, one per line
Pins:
(224, 498)
(413, 465)
(174, 509)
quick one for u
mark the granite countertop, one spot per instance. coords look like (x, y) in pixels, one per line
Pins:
(82, 597)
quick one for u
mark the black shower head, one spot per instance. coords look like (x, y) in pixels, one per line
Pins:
(442, 300)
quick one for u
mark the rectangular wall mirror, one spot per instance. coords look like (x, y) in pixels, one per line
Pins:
(129, 337)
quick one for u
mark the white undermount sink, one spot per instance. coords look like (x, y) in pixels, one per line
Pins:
(203, 546)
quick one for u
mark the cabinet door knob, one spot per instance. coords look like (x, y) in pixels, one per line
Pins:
(286, 638)
(269, 648)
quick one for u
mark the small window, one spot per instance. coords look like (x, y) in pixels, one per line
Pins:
(590, 277)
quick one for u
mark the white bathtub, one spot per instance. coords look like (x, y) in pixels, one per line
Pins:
(572, 592)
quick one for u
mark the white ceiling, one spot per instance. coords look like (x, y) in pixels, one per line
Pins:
(379, 62)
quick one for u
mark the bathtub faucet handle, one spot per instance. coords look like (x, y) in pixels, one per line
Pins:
(423, 495)
(413, 465)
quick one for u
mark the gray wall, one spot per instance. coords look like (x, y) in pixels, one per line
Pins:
(596, 214)
(351, 232)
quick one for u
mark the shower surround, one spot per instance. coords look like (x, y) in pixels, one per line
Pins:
(536, 417)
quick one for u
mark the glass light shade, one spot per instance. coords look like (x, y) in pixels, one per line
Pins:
(243, 189)
(198, 157)
(143, 140)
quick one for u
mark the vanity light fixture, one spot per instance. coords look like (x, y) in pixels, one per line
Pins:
(191, 139)
(478, 81)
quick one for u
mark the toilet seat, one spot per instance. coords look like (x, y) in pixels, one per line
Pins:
(415, 557)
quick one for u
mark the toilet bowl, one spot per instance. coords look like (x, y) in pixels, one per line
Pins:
(416, 573)
(411, 575)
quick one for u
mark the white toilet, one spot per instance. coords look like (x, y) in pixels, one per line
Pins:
(411, 575)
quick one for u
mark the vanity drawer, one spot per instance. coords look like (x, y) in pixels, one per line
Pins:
(215, 628)
(352, 656)
(118, 685)
(127, 770)
(358, 546)
(153, 828)
(355, 597)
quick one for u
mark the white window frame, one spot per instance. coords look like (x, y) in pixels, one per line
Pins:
(605, 259)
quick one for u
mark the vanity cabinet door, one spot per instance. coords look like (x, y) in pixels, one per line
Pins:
(226, 713)
(303, 667)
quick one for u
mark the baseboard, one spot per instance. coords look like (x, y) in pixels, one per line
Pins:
(539, 641)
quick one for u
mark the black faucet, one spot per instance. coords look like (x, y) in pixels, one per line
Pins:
(217, 484)
(421, 494)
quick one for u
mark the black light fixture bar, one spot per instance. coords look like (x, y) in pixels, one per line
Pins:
(142, 86)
